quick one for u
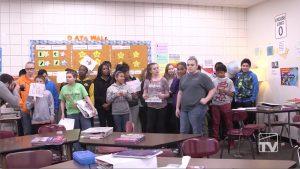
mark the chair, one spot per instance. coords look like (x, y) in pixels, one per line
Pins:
(108, 150)
(29, 159)
(296, 123)
(200, 147)
(278, 123)
(59, 153)
(6, 134)
(240, 133)
(48, 128)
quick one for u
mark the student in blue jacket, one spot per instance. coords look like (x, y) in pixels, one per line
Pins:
(52, 88)
(246, 89)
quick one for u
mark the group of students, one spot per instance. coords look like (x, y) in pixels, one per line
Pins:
(183, 97)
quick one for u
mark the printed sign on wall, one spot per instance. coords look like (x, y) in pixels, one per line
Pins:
(280, 26)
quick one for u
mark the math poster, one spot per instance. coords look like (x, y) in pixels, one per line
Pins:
(289, 76)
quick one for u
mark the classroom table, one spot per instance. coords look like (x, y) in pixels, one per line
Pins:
(206, 162)
(287, 110)
(11, 118)
(152, 140)
(23, 143)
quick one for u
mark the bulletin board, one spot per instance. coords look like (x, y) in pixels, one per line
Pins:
(58, 55)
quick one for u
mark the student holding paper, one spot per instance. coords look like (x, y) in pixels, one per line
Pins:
(118, 95)
(156, 92)
(69, 95)
(42, 108)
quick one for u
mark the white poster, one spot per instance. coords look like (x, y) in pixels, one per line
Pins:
(88, 62)
(61, 77)
(280, 26)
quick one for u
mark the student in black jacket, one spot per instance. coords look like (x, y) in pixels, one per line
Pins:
(101, 83)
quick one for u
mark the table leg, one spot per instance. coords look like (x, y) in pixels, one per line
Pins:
(289, 132)
(269, 123)
(69, 151)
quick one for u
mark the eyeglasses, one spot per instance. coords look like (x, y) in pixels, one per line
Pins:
(29, 68)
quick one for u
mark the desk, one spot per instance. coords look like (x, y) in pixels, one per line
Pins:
(152, 140)
(22, 143)
(269, 112)
(206, 162)
(11, 119)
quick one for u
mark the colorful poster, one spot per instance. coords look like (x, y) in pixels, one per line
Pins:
(289, 76)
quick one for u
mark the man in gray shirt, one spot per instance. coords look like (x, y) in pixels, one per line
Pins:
(195, 90)
(9, 91)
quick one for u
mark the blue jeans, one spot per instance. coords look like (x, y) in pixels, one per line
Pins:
(26, 123)
(120, 122)
(193, 118)
(80, 121)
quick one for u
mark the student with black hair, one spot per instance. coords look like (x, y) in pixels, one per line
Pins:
(101, 83)
(50, 86)
(22, 72)
(246, 89)
(221, 101)
(87, 83)
(133, 104)
(9, 92)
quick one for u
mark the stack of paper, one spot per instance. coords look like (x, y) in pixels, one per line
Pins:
(130, 138)
(55, 140)
(97, 132)
(85, 109)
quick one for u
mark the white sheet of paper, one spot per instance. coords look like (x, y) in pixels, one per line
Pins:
(68, 123)
(37, 89)
(88, 62)
(134, 86)
(154, 99)
(61, 77)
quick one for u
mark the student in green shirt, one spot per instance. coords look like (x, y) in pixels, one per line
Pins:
(69, 95)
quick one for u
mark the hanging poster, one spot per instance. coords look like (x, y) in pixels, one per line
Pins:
(280, 26)
(289, 76)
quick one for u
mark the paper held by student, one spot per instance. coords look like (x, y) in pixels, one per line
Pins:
(68, 123)
(134, 86)
(37, 89)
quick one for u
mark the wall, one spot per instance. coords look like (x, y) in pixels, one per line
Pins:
(261, 33)
(206, 32)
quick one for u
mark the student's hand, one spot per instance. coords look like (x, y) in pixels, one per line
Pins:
(145, 96)
(94, 111)
(161, 95)
(177, 113)
(52, 121)
(62, 115)
(12, 86)
(204, 101)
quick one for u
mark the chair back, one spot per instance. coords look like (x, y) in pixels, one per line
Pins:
(6, 134)
(48, 128)
(200, 147)
(129, 127)
(29, 159)
(296, 118)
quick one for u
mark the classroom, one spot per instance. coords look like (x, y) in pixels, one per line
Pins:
(196, 83)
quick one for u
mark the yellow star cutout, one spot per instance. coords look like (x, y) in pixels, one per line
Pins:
(98, 61)
(121, 55)
(96, 54)
(81, 54)
(136, 54)
(136, 63)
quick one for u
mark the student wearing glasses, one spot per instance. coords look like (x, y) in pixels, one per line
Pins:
(24, 83)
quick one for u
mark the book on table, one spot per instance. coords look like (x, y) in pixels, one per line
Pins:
(130, 138)
(97, 132)
(54, 140)
(149, 153)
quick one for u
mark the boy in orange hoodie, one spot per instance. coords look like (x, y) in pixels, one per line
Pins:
(24, 82)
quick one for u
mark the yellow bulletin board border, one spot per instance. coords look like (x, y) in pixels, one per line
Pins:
(33, 43)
